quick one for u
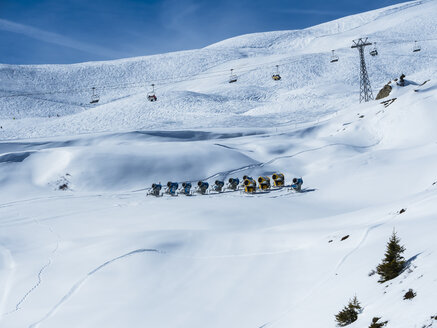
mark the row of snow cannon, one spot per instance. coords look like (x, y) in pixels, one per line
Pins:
(248, 185)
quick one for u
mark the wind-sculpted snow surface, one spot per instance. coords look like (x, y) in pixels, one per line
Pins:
(82, 245)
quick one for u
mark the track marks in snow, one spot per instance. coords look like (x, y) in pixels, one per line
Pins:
(359, 245)
(322, 282)
(297, 303)
(9, 268)
(82, 281)
(261, 164)
(43, 198)
(17, 306)
(233, 256)
(40, 272)
(373, 227)
(27, 220)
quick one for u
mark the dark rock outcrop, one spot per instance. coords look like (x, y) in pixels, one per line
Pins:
(384, 92)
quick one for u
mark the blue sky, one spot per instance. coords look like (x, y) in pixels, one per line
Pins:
(69, 31)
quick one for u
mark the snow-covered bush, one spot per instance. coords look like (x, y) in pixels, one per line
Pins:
(409, 295)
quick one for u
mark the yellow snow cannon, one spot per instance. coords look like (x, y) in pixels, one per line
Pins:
(249, 185)
(264, 183)
(278, 179)
(202, 187)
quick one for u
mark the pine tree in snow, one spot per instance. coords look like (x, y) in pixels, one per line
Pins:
(349, 313)
(393, 262)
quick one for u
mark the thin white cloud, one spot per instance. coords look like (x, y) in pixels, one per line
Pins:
(313, 12)
(176, 14)
(55, 38)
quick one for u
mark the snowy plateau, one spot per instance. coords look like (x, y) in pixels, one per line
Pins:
(82, 245)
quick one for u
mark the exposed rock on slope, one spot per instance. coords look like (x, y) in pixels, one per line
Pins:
(384, 92)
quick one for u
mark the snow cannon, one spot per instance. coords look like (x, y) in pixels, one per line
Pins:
(202, 187)
(246, 177)
(186, 188)
(278, 179)
(172, 188)
(156, 189)
(264, 183)
(249, 185)
(233, 183)
(218, 185)
(297, 184)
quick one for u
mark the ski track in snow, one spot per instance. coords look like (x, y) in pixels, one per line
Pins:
(261, 164)
(40, 272)
(363, 239)
(27, 220)
(271, 323)
(255, 102)
(294, 305)
(17, 306)
(321, 283)
(373, 227)
(231, 256)
(35, 199)
(82, 281)
(9, 264)
(27, 201)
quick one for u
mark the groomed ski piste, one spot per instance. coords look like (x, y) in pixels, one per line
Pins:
(82, 245)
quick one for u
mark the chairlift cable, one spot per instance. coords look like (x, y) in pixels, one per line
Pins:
(194, 77)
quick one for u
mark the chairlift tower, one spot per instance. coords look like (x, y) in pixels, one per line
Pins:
(365, 87)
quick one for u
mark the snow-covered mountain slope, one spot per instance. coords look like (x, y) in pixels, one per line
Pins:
(102, 254)
(192, 86)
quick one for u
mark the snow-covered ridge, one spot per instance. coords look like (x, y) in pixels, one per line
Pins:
(338, 26)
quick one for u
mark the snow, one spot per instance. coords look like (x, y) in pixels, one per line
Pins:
(103, 254)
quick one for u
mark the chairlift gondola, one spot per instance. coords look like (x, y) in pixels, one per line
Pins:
(275, 75)
(94, 97)
(151, 96)
(374, 51)
(416, 47)
(334, 57)
(233, 78)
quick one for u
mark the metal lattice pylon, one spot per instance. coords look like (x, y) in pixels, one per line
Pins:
(365, 87)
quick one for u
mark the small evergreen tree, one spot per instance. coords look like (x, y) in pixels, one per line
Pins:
(376, 324)
(393, 262)
(409, 295)
(349, 313)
